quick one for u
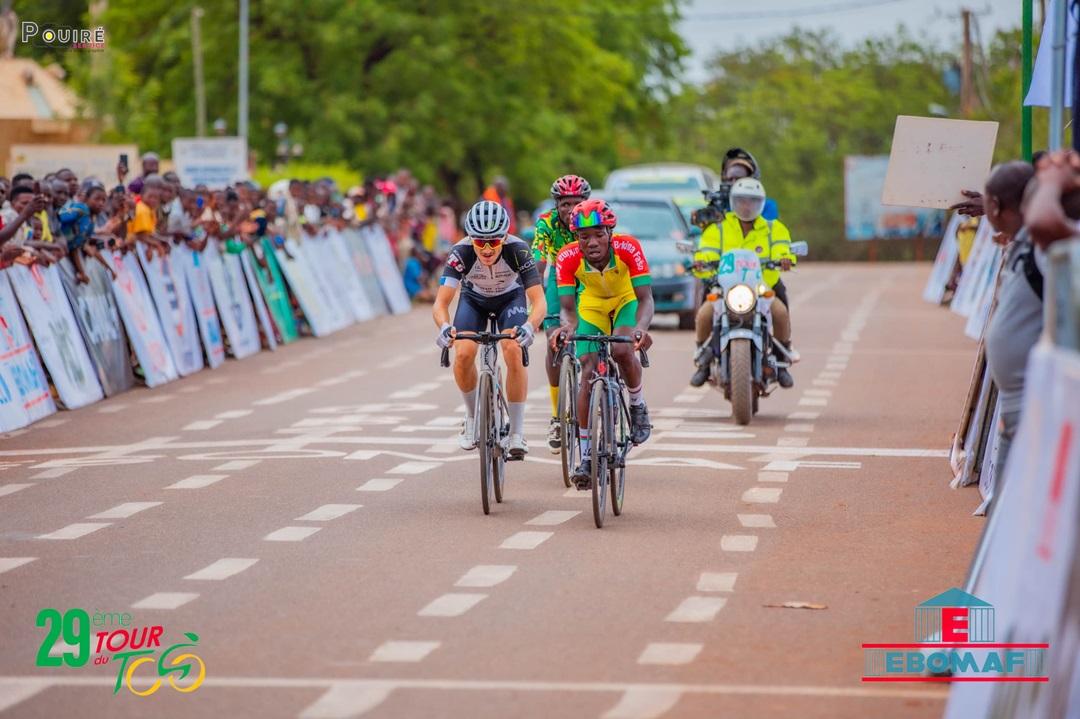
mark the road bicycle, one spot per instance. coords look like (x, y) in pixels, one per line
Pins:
(492, 414)
(569, 371)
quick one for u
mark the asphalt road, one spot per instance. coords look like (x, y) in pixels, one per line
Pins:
(308, 515)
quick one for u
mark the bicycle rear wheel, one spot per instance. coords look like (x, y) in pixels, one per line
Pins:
(498, 453)
(600, 427)
(485, 433)
(617, 469)
(568, 429)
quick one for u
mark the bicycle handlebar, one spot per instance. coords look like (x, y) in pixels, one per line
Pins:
(610, 339)
(483, 338)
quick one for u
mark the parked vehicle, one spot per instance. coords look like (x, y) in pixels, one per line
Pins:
(668, 178)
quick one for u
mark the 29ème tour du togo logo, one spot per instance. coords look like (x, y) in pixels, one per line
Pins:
(130, 646)
(954, 642)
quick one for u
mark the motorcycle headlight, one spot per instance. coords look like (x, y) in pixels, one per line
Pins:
(740, 299)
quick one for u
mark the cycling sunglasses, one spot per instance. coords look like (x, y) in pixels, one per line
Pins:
(487, 241)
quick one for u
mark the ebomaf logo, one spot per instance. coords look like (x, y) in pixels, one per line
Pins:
(954, 642)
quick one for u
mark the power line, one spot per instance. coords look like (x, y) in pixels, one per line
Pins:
(789, 13)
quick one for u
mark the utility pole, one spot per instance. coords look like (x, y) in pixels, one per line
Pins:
(242, 104)
(197, 62)
(967, 92)
(1025, 81)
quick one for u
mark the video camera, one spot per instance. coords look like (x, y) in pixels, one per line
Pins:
(719, 204)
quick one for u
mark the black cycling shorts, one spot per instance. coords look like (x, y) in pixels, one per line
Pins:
(509, 309)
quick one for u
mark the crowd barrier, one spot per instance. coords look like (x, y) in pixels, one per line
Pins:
(1027, 563)
(179, 314)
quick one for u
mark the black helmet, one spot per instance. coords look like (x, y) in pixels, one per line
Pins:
(737, 153)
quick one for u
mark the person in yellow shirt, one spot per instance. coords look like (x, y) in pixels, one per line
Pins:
(143, 226)
(745, 229)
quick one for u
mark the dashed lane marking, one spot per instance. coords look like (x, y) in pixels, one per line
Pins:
(798, 427)
(328, 512)
(165, 600)
(236, 465)
(738, 542)
(233, 414)
(283, 397)
(813, 402)
(111, 408)
(818, 393)
(403, 651)
(804, 415)
(74, 531)
(13, 488)
(414, 467)
(451, 605)
(9, 563)
(825, 383)
(53, 473)
(717, 582)
(222, 569)
(291, 534)
(553, 517)
(346, 701)
(697, 609)
(756, 521)
(202, 425)
(643, 703)
(792, 441)
(486, 575)
(123, 511)
(669, 653)
(378, 485)
(197, 481)
(525, 540)
(762, 495)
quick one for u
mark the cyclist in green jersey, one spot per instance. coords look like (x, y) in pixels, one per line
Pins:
(552, 234)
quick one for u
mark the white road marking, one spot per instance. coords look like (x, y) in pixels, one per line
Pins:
(804, 415)
(222, 569)
(792, 441)
(216, 380)
(826, 374)
(451, 605)
(686, 397)
(189, 390)
(720, 432)
(842, 348)
(738, 542)
(669, 653)
(818, 393)
(792, 465)
(9, 563)
(525, 540)
(111, 408)
(165, 600)
(123, 511)
(197, 481)
(485, 575)
(417, 390)
(201, 425)
(54, 473)
(552, 517)
(717, 582)
(445, 421)
(328, 511)
(762, 495)
(283, 397)
(378, 485)
(413, 467)
(291, 534)
(53, 422)
(756, 521)
(798, 427)
(236, 465)
(16, 691)
(697, 609)
(825, 383)
(13, 488)
(157, 399)
(403, 651)
(447, 445)
(813, 402)
(644, 703)
(233, 414)
(346, 701)
(74, 531)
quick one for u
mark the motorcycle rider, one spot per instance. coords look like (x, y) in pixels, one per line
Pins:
(745, 228)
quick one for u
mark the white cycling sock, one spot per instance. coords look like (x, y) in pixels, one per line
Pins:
(517, 417)
(637, 395)
(583, 438)
(470, 403)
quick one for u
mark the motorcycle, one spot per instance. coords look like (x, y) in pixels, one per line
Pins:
(744, 364)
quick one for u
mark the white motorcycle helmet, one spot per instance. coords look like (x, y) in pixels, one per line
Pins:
(747, 199)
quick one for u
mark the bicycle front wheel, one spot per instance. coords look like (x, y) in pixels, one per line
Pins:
(599, 423)
(568, 430)
(621, 447)
(485, 435)
(498, 452)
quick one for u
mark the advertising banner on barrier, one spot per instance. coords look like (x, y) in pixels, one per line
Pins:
(984, 293)
(386, 270)
(338, 268)
(169, 290)
(273, 289)
(99, 322)
(365, 270)
(321, 312)
(981, 248)
(1028, 548)
(944, 263)
(234, 305)
(197, 279)
(42, 298)
(140, 319)
(327, 281)
(24, 391)
(262, 313)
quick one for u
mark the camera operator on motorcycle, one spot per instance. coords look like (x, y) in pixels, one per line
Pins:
(745, 228)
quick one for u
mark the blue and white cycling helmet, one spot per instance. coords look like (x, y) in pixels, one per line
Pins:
(487, 220)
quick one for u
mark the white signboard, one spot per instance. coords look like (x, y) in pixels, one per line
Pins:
(386, 269)
(323, 314)
(234, 305)
(24, 391)
(262, 312)
(211, 161)
(933, 159)
(202, 299)
(141, 322)
(169, 290)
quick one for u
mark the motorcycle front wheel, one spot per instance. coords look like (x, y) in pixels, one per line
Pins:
(742, 381)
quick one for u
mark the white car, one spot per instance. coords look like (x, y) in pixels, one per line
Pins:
(669, 178)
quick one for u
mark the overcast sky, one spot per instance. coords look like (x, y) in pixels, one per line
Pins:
(709, 25)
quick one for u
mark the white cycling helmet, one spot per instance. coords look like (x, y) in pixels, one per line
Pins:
(752, 194)
(487, 220)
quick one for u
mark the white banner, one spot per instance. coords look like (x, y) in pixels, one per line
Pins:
(338, 268)
(24, 391)
(322, 313)
(1031, 543)
(262, 312)
(48, 312)
(202, 299)
(165, 279)
(365, 271)
(1040, 89)
(386, 269)
(984, 293)
(234, 304)
(964, 300)
(212, 161)
(140, 320)
(943, 263)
